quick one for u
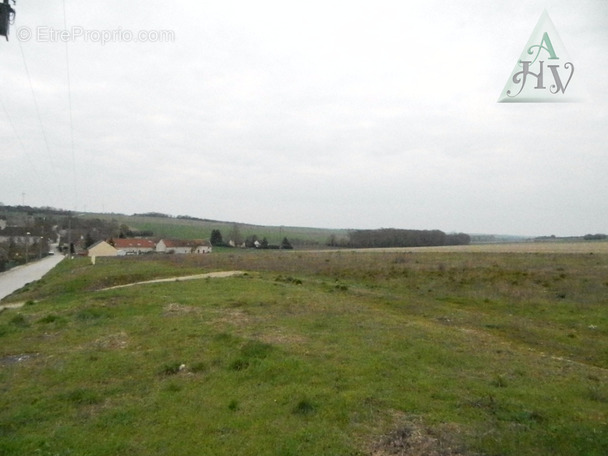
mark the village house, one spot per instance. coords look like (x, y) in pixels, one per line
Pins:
(102, 249)
(202, 247)
(182, 247)
(19, 235)
(133, 246)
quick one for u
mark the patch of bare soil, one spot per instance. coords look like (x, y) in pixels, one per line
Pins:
(15, 359)
(15, 305)
(234, 317)
(414, 439)
(116, 341)
(174, 309)
(278, 337)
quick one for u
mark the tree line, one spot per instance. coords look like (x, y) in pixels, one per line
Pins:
(250, 242)
(391, 237)
(595, 237)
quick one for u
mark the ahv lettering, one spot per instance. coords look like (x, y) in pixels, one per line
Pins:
(544, 71)
(522, 76)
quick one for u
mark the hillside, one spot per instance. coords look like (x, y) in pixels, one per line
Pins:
(92, 227)
(192, 228)
(316, 353)
(49, 222)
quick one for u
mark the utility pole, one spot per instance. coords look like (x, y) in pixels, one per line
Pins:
(27, 243)
(70, 235)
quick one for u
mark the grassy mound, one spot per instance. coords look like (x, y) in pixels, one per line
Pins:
(311, 353)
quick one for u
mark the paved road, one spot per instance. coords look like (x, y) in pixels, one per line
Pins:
(17, 277)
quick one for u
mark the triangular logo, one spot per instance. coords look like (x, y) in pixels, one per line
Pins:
(544, 71)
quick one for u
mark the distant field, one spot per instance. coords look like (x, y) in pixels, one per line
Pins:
(317, 238)
(517, 247)
(367, 353)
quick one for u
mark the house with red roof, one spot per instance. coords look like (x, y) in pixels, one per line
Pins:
(133, 246)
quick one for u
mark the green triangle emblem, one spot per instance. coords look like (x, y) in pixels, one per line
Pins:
(544, 71)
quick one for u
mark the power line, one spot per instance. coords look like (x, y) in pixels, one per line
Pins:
(12, 124)
(69, 83)
(46, 142)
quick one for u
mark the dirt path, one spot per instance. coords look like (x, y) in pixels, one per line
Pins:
(15, 305)
(213, 275)
(209, 275)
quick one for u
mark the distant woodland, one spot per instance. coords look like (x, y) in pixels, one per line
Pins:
(391, 237)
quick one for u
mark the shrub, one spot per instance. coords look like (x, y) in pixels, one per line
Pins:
(89, 313)
(233, 405)
(239, 364)
(199, 367)
(19, 321)
(256, 349)
(170, 368)
(51, 318)
(82, 396)
(304, 407)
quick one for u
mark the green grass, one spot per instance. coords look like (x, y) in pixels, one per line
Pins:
(311, 353)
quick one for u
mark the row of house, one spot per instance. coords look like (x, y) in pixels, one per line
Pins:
(137, 246)
(19, 235)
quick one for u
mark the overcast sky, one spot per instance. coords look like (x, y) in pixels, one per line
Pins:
(354, 114)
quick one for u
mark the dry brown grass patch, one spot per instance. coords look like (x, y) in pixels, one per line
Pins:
(174, 309)
(278, 337)
(116, 341)
(412, 438)
(235, 317)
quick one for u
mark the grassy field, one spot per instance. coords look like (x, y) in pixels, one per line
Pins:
(311, 353)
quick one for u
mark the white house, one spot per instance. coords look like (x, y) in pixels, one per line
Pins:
(203, 247)
(182, 247)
